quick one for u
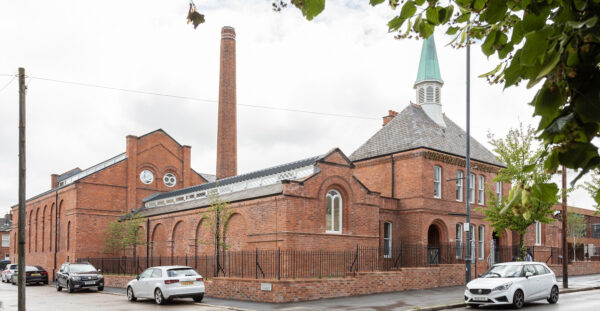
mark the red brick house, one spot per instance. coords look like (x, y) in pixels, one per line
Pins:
(405, 185)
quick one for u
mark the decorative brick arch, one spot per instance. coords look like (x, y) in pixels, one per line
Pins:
(341, 185)
(204, 242)
(178, 247)
(158, 244)
(442, 230)
(43, 223)
(236, 235)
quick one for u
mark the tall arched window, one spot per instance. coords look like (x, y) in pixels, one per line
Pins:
(43, 227)
(35, 241)
(459, 240)
(29, 238)
(429, 94)
(69, 235)
(333, 218)
(51, 225)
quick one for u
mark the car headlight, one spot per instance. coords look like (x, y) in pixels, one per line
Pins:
(75, 278)
(502, 287)
(100, 277)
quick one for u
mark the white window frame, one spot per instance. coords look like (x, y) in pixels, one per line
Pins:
(538, 233)
(499, 190)
(332, 195)
(481, 241)
(437, 182)
(594, 226)
(459, 240)
(471, 188)
(6, 240)
(473, 242)
(459, 185)
(387, 240)
(481, 191)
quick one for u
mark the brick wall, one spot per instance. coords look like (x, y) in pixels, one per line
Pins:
(119, 281)
(578, 268)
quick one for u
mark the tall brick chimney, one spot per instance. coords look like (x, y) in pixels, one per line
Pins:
(227, 131)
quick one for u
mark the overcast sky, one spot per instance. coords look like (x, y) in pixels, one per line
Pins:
(343, 62)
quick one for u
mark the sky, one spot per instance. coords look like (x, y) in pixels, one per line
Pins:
(344, 65)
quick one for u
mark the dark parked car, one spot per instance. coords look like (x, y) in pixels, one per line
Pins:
(33, 274)
(4, 263)
(74, 276)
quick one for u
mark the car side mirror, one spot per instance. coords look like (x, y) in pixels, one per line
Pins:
(479, 275)
(99, 270)
(528, 274)
(137, 277)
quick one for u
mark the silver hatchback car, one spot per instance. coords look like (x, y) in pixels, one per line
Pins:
(165, 283)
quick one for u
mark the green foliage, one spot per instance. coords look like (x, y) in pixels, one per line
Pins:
(532, 196)
(593, 187)
(216, 218)
(312, 8)
(556, 43)
(575, 228)
(123, 234)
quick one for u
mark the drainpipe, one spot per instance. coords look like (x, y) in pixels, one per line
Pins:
(392, 159)
(148, 242)
(55, 232)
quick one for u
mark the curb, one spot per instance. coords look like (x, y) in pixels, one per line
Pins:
(460, 305)
(198, 303)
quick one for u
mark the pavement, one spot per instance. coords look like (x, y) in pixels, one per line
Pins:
(582, 294)
(427, 299)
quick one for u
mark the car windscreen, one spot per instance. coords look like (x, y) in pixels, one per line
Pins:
(503, 271)
(13, 267)
(81, 268)
(178, 272)
(31, 268)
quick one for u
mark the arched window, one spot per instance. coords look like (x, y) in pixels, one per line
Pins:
(421, 95)
(35, 241)
(481, 241)
(333, 218)
(68, 235)
(29, 238)
(429, 94)
(51, 225)
(459, 240)
(43, 227)
(437, 95)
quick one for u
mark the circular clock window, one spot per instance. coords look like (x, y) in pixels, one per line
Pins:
(169, 180)
(146, 177)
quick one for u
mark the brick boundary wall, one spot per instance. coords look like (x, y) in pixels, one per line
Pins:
(363, 283)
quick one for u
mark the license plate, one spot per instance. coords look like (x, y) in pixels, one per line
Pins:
(35, 274)
(480, 298)
(187, 283)
(90, 283)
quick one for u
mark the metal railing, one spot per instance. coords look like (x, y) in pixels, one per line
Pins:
(293, 264)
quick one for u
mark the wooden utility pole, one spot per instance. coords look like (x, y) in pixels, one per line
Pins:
(565, 249)
(21, 254)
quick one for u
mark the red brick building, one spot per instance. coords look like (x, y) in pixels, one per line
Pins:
(405, 185)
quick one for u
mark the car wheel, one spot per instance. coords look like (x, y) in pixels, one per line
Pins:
(199, 298)
(100, 288)
(58, 287)
(130, 295)
(46, 283)
(70, 287)
(158, 297)
(518, 299)
(553, 295)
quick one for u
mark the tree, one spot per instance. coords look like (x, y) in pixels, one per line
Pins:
(575, 229)
(593, 186)
(556, 43)
(217, 220)
(531, 198)
(124, 233)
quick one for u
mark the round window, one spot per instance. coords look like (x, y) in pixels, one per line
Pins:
(169, 180)
(146, 177)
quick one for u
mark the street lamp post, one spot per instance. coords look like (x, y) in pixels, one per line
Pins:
(468, 165)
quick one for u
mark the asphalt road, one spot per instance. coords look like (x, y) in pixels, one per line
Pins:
(580, 301)
(46, 298)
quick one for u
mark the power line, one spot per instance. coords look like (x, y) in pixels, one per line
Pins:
(9, 82)
(202, 99)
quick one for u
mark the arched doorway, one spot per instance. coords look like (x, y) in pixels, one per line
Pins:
(433, 245)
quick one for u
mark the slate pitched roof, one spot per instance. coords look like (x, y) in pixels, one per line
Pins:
(234, 179)
(412, 129)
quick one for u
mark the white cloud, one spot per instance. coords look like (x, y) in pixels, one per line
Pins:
(342, 62)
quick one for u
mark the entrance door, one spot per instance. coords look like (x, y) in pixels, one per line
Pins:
(433, 245)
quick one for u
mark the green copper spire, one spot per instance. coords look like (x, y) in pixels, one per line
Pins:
(429, 69)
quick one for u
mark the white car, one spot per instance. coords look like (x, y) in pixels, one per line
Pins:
(165, 283)
(8, 272)
(513, 283)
